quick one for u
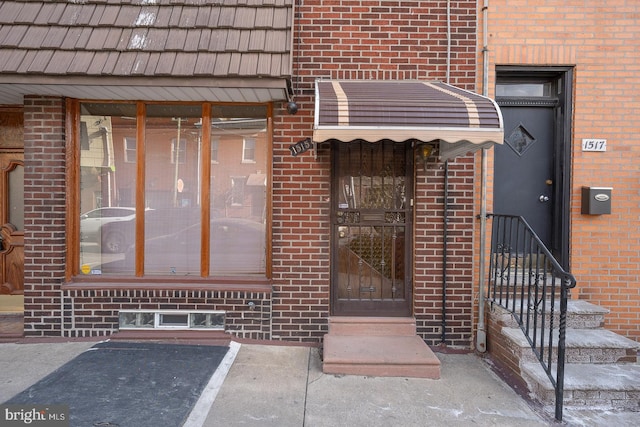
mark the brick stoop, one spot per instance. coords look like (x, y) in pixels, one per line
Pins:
(174, 336)
(601, 369)
(613, 386)
(377, 346)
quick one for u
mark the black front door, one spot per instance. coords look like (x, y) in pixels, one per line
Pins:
(524, 177)
(532, 167)
(371, 216)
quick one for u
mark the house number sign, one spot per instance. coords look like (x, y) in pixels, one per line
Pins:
(590, 144)
(300, 147)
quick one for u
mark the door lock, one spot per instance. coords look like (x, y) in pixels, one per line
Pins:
(543, 198)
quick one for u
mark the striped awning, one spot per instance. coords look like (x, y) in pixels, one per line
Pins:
(374, 110)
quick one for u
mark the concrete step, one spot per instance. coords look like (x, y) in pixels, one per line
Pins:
(603, 386)
(380, 356)
(518, 278)
(582, 346)
(580, 315)
(372, 326)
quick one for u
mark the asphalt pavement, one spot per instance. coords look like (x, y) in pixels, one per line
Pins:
(283, 385)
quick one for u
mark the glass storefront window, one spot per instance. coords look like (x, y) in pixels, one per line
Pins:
(238, 191)
(172, 188)
(164, 173)
(107, 187)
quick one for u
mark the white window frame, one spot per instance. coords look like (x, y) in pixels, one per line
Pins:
(129, 153)
(249, 150)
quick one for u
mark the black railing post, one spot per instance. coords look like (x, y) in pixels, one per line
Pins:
(517, 250)
(564, 296)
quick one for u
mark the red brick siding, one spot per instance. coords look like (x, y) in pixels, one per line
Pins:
(44, 216)
(601, 39)
(501, 351)
(92, 312)
(333, 39)
(370, 40)
(300, 231)
(95, 312)
(429, 252)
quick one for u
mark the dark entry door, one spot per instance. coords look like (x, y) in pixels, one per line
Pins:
(371, 229)
(524, 168)
(532, 168)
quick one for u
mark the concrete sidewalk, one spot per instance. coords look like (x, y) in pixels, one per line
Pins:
(285, 386)
(277, 385)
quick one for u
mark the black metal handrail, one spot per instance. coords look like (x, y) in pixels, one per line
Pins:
(526, 280)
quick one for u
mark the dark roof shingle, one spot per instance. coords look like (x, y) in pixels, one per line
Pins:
(61, 37)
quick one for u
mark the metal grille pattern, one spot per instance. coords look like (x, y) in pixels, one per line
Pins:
(526, 280)
(371, 221)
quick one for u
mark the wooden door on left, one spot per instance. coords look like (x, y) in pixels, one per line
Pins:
(11, 201)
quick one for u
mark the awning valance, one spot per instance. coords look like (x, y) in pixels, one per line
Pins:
(373, 110)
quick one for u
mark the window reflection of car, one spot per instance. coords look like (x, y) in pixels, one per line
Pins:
(237, 247)
(92, 226)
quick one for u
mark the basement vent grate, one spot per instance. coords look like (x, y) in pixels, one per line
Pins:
(171, 319)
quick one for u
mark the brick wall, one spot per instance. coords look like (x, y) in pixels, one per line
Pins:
(371, 40)
(44, 214)
(91, 313)
(333, 39)
(601, 39)
(430, 276)
(51, 311)
(504, 353)
(300, 231)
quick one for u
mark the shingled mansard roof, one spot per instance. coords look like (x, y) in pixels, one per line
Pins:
(182, 50)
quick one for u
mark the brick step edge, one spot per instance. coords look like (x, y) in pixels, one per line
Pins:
(580, 314)
(175, 336)
(372, 326)
(582, 346)
(379, 356)
(610, 386)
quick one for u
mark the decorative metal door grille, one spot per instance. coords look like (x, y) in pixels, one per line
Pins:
(371, 223)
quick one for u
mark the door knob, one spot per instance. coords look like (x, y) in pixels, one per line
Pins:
(543, 198)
